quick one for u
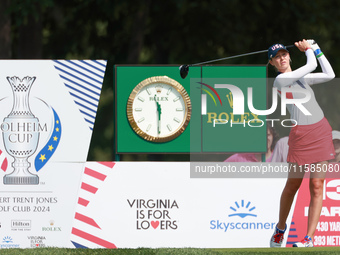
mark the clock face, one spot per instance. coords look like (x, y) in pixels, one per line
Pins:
(159, 109)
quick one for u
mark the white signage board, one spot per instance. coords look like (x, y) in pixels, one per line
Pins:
(157, 204)
(47, 113)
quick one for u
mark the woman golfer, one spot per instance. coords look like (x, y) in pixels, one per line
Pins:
(310, 141)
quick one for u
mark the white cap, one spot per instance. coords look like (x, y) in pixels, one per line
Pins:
(335, 134)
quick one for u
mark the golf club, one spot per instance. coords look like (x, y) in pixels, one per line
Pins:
(184, 69)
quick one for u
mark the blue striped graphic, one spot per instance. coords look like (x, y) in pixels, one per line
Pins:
(292, 238)
(83, 80)
(77, 245)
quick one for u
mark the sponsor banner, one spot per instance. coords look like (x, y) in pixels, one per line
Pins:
(40, 215)
(154, 204)
(48, 109)
(328, 229)
(144, 204)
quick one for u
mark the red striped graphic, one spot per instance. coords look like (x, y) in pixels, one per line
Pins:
(93, 239)
(88, 188)
(86, 220)
(4, 162)
(83, 201)
(108, 164)
(94, 174)
(85, 230)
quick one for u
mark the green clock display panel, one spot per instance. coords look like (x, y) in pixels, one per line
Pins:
(156, 111)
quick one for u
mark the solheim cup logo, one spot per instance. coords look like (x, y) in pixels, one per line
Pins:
(20, 132)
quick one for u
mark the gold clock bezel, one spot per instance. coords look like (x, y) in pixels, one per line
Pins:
(179, 88)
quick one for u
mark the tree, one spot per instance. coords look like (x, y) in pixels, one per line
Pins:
(166, 32)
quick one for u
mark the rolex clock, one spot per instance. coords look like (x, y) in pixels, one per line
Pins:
(159, 109)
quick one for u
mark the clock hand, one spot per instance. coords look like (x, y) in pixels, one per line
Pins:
(159, 110)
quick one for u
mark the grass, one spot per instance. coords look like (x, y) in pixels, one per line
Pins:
(172, 251)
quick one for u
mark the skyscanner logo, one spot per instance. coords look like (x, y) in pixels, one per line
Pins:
(242, 210)
(242, 216)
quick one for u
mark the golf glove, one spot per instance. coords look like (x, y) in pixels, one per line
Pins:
(315, 47)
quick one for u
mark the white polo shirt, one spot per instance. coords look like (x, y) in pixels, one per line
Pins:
(302, 79)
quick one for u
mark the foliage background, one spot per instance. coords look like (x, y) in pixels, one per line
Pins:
(167, 32)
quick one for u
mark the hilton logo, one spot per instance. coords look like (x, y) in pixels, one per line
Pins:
(21, 224)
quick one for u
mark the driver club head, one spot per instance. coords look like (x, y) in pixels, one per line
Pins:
(184, 70)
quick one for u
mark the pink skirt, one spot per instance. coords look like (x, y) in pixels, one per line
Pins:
(311, 143)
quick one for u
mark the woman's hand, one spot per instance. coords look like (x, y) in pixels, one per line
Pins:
(302, 45)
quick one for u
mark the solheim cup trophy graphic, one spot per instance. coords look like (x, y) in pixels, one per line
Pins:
(20, 132)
